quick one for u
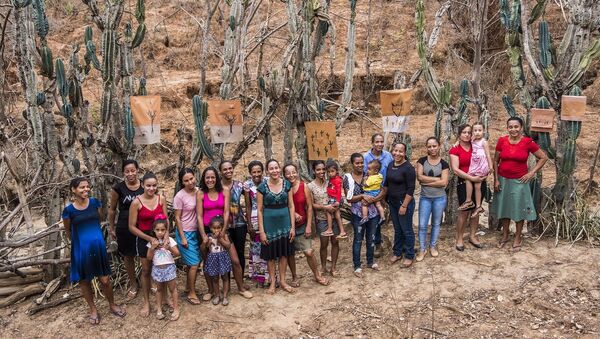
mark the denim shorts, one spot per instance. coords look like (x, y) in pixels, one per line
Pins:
(164, 273)
(322, 226)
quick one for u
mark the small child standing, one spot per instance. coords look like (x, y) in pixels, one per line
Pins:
(161, 253)
(334, 192)
(480, 165)
(218, 263)
(372, 187)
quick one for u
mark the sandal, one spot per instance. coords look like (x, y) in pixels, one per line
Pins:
(175, 316)
(479, 210)
(502, 243)
(207, 297)
(358, 272)
(342, 235)
(119, 313)
(225, 301)
(295, 283)
(246, 294)
(406, 263)
(131, 294)
(160, 316)
(466, 205)
(326, 234)
(95, 320)
(516, 249)
(394, 258)
(216, 300)
(323, 281)
(192, 300)
(474, 244)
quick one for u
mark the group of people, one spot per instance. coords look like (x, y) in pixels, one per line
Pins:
(282, 213)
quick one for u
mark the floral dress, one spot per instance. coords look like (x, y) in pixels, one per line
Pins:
(257, 267)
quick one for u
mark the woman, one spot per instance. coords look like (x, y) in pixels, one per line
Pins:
(353, 189)
(141, 217)
(513, 200)
(400, 184)
(89, 259)
(184, 204)
(276, 221)
(303, 212)
(237, 221)
(257, 267)
(460, 160)
(432, 173)
(320, 203)
(213, 200)
(121, 196)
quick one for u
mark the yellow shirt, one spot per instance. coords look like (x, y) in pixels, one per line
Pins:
(373, 182)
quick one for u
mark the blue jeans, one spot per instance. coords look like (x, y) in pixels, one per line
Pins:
(434, 208)
(366, 231)
(404, 236)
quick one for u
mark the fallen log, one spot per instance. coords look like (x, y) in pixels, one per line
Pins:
(50, 304)
(14, 281)
(50, 289)
(32, 289)
(34, 262)
(4, 291)
(25, 271)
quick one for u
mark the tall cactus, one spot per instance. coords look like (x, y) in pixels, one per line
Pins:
(200, 112)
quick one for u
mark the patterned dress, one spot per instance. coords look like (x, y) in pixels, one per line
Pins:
(217, 260)
(276, 222)
(257, 267)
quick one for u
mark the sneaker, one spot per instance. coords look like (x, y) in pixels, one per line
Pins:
(421, 255)
(434, 252)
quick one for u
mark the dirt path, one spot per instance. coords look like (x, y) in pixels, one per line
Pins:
(541, 291)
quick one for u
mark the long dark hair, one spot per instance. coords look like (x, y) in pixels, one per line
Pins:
(182, 173)
(218, 184)
(76, 181)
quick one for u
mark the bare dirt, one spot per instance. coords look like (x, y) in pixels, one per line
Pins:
(543, 291)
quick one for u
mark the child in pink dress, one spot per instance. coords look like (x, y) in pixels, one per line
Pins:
(480, 166)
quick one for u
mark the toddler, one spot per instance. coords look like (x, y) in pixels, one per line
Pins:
(334, 192)
(372, 187)
(480, 166)
(218, 263)
(161, 253)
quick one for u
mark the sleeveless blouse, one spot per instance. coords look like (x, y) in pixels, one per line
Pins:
(146, 216)
(212, 208)
(300, 204)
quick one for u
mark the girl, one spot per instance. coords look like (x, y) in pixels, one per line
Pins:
(186, 234)
(481, 162)
(372, 187)
(160, 251)
(121, 196)
(334, 192)
(218, 263)
(257, 267)
(88, 249)
(142, 212)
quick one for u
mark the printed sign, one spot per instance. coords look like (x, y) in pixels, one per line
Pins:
(146, 118)
(321, 140)
(395, 124)
(542, 120)
(225, 119)
(396, 102)
(573, 107)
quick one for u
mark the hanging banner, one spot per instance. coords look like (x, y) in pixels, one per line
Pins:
(396, 102)
(146, 118)
(225, 119)
(321, 140)
(573, 107)
(542, 120)
(395, 124)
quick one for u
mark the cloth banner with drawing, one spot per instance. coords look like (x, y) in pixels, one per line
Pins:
(396, 102)
(321, 140)
(146, 119)
(225, 119)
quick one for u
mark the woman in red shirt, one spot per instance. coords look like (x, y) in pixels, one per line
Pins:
(513, 200)
(460, 160)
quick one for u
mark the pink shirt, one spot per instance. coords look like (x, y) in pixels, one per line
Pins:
(186, 203)
(212, 208)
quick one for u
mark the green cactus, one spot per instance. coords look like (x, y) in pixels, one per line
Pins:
(61, 81)
(75, 96)
(129, 126)
(109, 50)
(140, 11)
(508, 105)
(40, 98)
(544, 138)
(21, 3)
(140, 33)
(585, 62)
(537, 11)
(545, 47)
(142, 89)
(41, 21)
(200, 111)
(47, 62)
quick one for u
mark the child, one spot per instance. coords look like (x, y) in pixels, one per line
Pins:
(218, 262)
(161, 253)
(372, 187)
(334, 191)
(481, 162)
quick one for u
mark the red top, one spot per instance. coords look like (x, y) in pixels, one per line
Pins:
(513, 158)
(300, 204)
(464, 157)
(334, 188)
(146, 216)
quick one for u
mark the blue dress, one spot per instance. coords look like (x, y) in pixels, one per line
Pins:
(88, 249)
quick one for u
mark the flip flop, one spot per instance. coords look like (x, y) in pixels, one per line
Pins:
(407, 265)
(502, 243)
(516, 249)
(207, 297)
(192, 301)
(476, 245)
(95, 320)
(322, 281)
(225, 301)
(120, 313)
(327, 234)
(295, 283)
(288, 289)
(342, 236)
(394, 258)
(131, 294)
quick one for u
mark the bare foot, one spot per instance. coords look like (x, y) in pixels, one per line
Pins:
(145, 310)
(175, 315)
(271, 289)
(288, 288)
(295, 283)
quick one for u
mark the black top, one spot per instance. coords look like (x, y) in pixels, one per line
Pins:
(400, 181)
(126, 196)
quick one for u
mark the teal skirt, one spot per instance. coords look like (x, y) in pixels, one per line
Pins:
(514, 201)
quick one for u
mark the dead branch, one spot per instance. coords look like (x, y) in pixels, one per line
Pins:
(52, 303)
(14, 281)
(23, 293)
(32, 262)
(588, 190)
(50, 289)
(23, 272)
(30, 239)
(20, 191)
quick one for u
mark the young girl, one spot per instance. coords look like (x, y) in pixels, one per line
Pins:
(372, 187)
(218, 263)
(161, 251)
(481, 162)
(334, 191)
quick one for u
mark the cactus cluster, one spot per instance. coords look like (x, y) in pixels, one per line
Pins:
(200, 112)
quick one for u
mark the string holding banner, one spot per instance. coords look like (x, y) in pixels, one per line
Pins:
(321, 140)
(225, 119)
(145, 111)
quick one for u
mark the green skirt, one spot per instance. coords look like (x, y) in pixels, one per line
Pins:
(514, 201)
